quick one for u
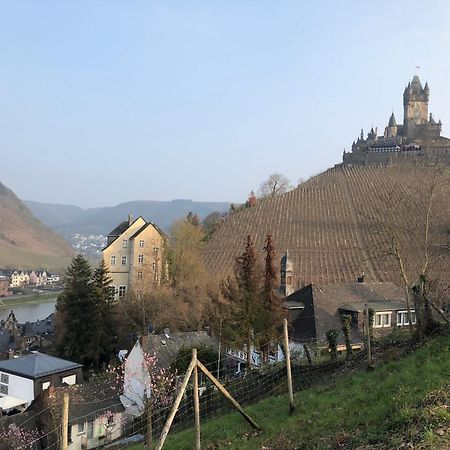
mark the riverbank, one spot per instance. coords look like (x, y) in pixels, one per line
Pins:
(29, 299)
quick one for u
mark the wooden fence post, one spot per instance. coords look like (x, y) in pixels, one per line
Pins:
(196, 402)
(149, 435)
(65, 422)
(288, 366)
(175, 406)
(369, 344)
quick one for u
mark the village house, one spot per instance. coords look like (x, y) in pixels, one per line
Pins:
(165, 348)
(4, 285)
(22, 379)
(313, 310)
(19, 279)
(134, 255)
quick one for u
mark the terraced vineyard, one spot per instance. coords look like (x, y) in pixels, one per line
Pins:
(331, 224)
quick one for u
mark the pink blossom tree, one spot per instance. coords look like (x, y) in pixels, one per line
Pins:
(17, 438)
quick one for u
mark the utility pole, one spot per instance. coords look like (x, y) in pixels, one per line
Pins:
(196, 402)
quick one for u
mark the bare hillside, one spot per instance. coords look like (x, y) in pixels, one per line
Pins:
(25, 242)
(331, 224)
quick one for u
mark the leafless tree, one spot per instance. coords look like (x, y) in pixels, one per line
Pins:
(409, 221)
(276, 184)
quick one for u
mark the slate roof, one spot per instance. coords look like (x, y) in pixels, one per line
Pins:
(166, 347)
(388, 305)
(329, 299)
(40, 327)
(37, 365)
(119, 229)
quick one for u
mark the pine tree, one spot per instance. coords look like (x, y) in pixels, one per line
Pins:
(74, 313)
(243, 293)
(104, 329)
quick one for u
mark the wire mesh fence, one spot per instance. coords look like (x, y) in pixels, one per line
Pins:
(113, 427)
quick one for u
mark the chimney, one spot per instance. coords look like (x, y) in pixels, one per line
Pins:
(361, 278)
(11, 354)
(130, 219)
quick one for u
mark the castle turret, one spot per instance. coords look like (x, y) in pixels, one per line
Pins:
(392, 127)
(286, 275)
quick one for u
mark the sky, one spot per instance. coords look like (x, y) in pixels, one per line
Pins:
(103, 102)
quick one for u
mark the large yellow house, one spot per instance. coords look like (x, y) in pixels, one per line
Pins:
(134, 257)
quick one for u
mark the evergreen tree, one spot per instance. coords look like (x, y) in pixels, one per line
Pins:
(74, 313)
(104, 329)
(243, 293)
(272, 311)
(346, 327)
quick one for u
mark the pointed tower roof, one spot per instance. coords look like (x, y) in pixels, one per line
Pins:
(416, 85)
(392, 122)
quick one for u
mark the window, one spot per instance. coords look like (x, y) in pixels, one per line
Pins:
(140, 259)
(125, 243)
(402, 318)
(141, 243)
(4, 378)
(382, 320)
(90, 429)
(4, 389)
(69, 434)
(81, 427)
(70, 379)
(124, 260)
(45, 385)
(113, 260)
(289, 280)
(139, 275)
(153, 265)
(122, 291)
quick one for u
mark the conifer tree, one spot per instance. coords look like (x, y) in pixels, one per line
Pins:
(104, 329)
(243, 293)
(271, 304)
(74, 313)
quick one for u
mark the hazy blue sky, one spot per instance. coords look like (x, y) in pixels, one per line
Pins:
(107, 101)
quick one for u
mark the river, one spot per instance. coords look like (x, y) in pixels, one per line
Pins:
(29, 312)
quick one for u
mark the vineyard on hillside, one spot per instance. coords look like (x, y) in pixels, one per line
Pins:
(332, 224)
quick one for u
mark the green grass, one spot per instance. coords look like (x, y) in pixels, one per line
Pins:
(380, 409)
(26, 299)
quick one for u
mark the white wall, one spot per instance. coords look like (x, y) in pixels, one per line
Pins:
(20, 387)
(137, 378)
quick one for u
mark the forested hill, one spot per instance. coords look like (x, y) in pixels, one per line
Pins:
(67, 219)
(331, 224)
(25, 242)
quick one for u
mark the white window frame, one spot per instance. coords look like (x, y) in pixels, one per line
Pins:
(123, 261)
(141, 259)
(124, 290)
(113, 260)
(140, 275)
(404, 314)
(381, 314)
(141, 243)
(125, 243)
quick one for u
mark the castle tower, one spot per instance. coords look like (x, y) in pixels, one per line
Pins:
(286, 275)
(392, 127)
(415, 107)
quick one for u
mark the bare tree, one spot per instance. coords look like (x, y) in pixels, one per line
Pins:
(409, 222)
(276, 184)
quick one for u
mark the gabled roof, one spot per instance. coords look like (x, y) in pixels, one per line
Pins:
(140, 230)
(166, 346)
(37, 365)
(121, 228)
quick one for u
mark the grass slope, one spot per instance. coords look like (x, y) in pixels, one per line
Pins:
(402, 403)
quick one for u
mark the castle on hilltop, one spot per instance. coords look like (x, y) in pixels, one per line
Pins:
(417, 141)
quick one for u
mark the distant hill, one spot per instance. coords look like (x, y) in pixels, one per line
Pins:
(25, 242)
(323, 224)
(67, 219)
